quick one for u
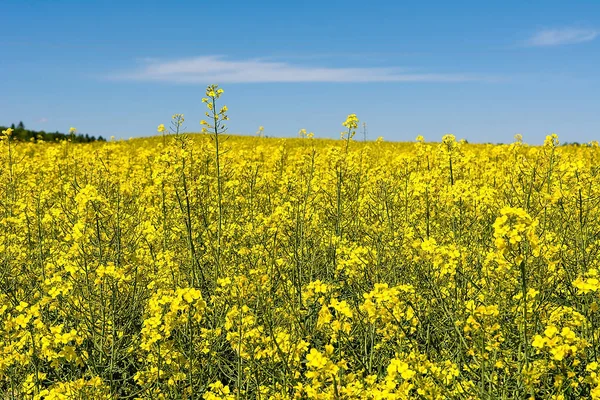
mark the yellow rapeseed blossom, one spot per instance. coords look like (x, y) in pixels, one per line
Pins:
(225, 267)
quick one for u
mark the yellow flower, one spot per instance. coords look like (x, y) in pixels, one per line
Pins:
(550, 331)
(315, 359)
(538, 341)
(351, 121)
(551, 140)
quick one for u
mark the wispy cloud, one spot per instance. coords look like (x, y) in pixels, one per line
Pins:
(557, 37)
(207, 69)
(42, 120)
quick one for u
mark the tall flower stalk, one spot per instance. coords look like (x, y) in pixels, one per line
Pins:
(351, 124)
(215, 126)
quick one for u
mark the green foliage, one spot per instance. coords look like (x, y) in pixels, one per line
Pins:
(25, 135)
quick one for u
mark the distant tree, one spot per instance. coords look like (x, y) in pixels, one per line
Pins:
(22, 134)
(12, 126)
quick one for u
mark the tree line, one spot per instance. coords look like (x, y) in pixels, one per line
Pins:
(22, 134)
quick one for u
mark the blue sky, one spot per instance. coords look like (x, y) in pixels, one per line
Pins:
(481, 70)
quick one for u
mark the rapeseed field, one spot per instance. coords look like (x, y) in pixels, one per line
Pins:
(210, 266)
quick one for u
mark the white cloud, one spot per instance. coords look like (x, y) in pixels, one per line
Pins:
(42, 120)
(556, 37)
(208, 69)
